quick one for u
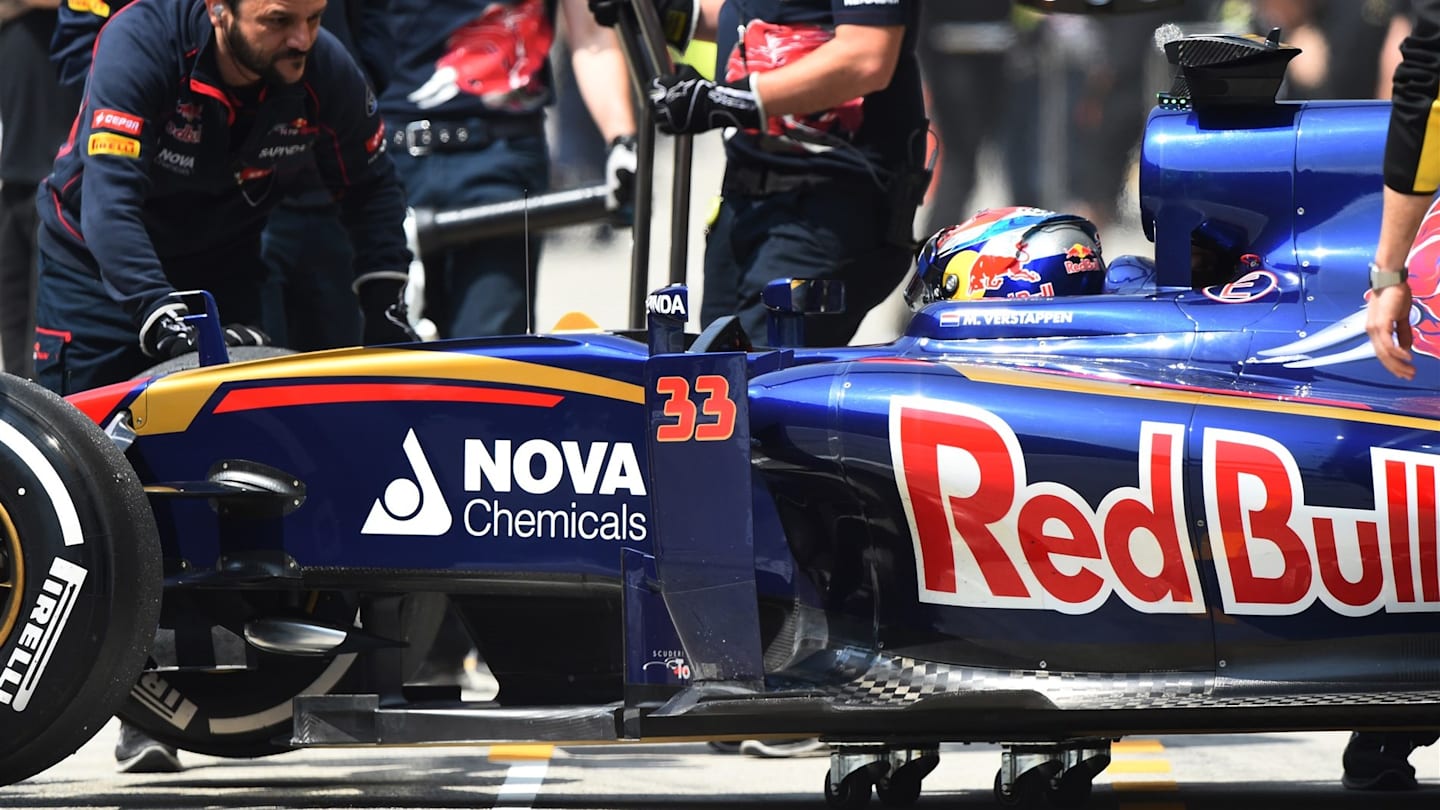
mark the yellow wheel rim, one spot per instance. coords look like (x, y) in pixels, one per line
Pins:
(12, 575)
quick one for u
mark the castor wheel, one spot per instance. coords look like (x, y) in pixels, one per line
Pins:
(1072, 791)
(853, 793)
(1038, 789)
(901, 792)
(901, 787)
(1032, 791)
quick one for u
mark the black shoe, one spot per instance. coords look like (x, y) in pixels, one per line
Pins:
(1379, 761)
(138, 753)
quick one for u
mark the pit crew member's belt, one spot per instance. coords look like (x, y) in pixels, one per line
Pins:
(759, 182)
(425, 136)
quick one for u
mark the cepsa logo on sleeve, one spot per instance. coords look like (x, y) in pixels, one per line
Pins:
(105, 143)
(116, 120)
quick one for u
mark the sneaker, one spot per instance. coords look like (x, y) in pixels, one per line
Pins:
(136, 752)
(805, 747)
(1378, 761)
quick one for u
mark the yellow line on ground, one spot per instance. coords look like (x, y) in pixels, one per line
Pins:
(523, 753)
(1140, 766)
(1137, 747)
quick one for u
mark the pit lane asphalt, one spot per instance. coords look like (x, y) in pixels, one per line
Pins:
(1209, 772)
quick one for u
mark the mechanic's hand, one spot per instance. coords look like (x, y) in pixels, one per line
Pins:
(382, 302)
(677, 17)
(620, 167)
(687, 102)
(1387, 321)
(165, 334)
(238, 334)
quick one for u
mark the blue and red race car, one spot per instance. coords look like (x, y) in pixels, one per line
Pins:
(1048, 523)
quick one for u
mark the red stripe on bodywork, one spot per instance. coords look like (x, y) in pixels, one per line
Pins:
(99, 403)
(250, 399)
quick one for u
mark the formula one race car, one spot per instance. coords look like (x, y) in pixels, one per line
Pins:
(1044, 522)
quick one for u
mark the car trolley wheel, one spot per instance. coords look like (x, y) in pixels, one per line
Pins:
(902, 792)
(853, 793)
(1072, 791)
(247, 712)
(79, 578)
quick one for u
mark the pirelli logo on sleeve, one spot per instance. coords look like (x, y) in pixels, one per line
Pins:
(116, 120)
(97, 7)
(107, 143)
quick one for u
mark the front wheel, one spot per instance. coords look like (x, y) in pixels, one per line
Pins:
(79, 579)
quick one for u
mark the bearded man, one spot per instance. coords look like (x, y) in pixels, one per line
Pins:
(198, 116)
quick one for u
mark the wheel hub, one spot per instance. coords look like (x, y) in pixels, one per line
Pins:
(12, 575)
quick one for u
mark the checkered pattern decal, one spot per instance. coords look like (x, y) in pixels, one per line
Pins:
(901, 681)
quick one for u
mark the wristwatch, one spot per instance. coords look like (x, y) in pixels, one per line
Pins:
(1381, 278)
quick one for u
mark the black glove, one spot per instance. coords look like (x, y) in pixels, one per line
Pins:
(677, 17)
(620, 166)
(687, 102)
(238, 334)
(164, 333)
(382, 302)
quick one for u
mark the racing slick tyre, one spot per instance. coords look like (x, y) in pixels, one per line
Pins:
(79, 578)
(246, 712)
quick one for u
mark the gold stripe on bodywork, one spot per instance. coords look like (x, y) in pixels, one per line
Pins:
(171, 403)
(1293, 406)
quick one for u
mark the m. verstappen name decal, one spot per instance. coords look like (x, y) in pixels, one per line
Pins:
(957, 318)
(507, 473)
(987, 536)
(38, 638)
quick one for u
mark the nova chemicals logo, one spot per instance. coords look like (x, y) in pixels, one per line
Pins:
(414, 508)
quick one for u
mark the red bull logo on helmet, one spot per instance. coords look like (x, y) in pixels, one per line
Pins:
(1081, 259)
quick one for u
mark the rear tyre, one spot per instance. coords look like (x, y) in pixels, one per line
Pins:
(79, 579)
(243, 713)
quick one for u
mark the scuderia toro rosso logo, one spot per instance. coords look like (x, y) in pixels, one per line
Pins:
(986, 535)
(525, 489)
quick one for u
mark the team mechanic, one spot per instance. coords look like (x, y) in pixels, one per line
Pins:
(825, 170)
(1380, 760)
(466, 108)
(197, 116)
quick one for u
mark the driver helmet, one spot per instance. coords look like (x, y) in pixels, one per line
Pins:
(1015, 252)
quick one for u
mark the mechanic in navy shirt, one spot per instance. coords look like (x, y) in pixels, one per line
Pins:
(824, 164)
(465, 112)
(198, 116)
(307, 300)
